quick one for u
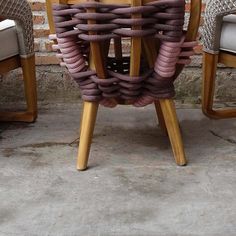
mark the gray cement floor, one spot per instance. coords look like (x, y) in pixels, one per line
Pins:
(133, 187)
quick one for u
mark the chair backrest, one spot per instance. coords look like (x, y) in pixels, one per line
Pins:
(157, 40)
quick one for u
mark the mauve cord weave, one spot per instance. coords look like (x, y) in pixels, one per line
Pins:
(162, 19)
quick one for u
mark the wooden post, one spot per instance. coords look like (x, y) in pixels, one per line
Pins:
(90, 108)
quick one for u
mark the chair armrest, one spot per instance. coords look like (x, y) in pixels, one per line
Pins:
(20, 12)
(215, 11)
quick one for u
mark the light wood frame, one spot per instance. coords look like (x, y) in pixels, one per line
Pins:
(165, 108)
(28, 67)
(210, 62)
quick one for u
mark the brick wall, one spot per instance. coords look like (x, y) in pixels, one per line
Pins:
(44, 54)
(43, 49)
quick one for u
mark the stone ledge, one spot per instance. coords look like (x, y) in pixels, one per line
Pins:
(54, 84)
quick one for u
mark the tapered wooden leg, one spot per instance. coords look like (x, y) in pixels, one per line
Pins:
(208, 89)
(172, 125)
(86, 134)
(28, 67)
(89, 115)
(160, 117)
(209, 74)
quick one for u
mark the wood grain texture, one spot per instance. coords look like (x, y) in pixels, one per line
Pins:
(90, 109)
(9, 64)
(29, 78)
(227, 58)
(172, 124)
(136, 44)
(86, 133)
(50, 16)
(210, 62)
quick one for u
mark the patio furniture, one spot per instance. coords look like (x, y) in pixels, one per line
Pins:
(17, 50)
(84, 31)
(219, 47)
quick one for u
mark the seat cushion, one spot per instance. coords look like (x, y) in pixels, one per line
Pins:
(8, 38)
(228, 34)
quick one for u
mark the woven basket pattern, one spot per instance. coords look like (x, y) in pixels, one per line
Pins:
(20, 12)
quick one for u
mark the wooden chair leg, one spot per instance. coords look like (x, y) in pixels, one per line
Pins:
(90, 109)
(160, 117)
(172, 124)
(28, 67)
(86, 133)
(150, 52)
(209, 75)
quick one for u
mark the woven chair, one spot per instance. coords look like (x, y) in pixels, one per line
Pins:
(84, 31)
(17, 50)
(219, 39)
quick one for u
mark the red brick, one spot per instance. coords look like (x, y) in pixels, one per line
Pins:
(39, 33)
(36, 46)
(47, 60)
(38, 19)
(48, 46)
(37, 6)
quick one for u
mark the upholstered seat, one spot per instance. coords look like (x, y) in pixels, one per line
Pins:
(228, 34)
(8, 39)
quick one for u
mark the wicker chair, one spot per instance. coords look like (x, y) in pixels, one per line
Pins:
(83, 31)
(17, 50)
(219, 47)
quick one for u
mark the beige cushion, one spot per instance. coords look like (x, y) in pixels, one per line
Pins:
(228, 34)
(8, 40)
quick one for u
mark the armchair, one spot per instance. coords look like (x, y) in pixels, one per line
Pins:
(219, 47)
(17, 50)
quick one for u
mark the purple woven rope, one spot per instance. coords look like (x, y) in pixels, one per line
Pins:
(163, 19)
(112, 19)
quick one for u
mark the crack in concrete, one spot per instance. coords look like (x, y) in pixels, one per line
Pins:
(229, 140)
(75, 142)
(43, 145)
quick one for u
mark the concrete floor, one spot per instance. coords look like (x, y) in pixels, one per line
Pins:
(133, 187)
